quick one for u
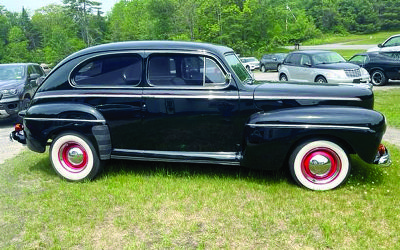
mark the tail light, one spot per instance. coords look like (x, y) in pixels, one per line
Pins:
(18, 127)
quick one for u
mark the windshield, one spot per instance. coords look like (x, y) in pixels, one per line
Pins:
(11, 72)
(328, 57)
(238, 67)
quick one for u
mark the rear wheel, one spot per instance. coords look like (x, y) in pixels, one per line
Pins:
(248, 68)
(319, 165)
(74, 157)
(378, 78)
(283, 78)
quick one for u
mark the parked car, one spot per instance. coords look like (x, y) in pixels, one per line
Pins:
(196, 103)
(271, 61)
(320, 66)
(391, 44)
(18, 83)
(250, 63)
(46, 68)
(382, 66)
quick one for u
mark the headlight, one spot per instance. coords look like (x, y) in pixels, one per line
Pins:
(364, 72)
(9, 92)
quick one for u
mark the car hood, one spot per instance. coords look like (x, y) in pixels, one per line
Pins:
(7, 84)
(310, 94)
(343, 65)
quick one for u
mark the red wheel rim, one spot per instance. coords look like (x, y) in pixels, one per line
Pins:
(321, 165)
(73, 157)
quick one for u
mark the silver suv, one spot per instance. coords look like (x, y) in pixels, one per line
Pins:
(322, 67)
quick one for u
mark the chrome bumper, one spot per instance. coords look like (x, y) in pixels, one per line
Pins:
(383, 159)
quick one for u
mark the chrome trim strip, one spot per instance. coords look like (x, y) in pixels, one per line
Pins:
(233, 97)
(63, 120)
(260, 98)
(208, 155)
(308, 126)
(88, 95)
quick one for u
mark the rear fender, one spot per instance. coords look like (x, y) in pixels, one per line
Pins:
(271, 136)
(46, 121)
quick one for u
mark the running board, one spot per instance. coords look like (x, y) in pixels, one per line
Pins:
(223, 158)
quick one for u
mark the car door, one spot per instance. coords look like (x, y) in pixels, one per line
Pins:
(111, 84)
(294, 68)
(188, 104)
(305, 71)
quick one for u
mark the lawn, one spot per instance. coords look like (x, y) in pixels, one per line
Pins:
(375, 38)
(164, 205)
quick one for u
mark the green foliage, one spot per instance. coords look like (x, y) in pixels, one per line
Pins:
(251, 27)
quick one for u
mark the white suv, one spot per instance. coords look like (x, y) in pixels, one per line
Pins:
(390, 45)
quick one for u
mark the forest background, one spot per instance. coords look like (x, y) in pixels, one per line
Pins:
(250, 27)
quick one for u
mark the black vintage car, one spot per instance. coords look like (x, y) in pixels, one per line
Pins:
(382, 66)
(195, 102)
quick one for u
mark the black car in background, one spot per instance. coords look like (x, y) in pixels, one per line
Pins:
(18, 83)
(382, 66)
(196, 103)
(271, 61)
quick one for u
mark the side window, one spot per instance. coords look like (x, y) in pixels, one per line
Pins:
(395, 41)
(359, 59)
(293, 59)
(183, 70)
(38, 70)
(305, 60)
(109, 70)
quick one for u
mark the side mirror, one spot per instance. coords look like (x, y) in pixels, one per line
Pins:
(307, 64)
(228, 78)
(380, 45)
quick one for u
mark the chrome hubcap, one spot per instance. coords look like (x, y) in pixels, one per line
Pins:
(75, 156)
(320, 165)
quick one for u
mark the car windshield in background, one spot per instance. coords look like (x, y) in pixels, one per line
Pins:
(328, 57)
(11, 72)
(238, 67)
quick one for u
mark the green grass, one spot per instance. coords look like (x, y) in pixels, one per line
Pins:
(375, 38)
(140, 205)
(388, 102)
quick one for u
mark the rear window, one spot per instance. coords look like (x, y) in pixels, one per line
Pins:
(109, 70)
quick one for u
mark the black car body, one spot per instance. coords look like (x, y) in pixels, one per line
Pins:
(271, 61)
(382, 66)
(18, 83)
(195, 102)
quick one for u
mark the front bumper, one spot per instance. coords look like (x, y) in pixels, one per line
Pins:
(9, 106)
(383, 158)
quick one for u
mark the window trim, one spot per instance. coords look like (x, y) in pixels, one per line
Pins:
(73, 84)
(220, 65)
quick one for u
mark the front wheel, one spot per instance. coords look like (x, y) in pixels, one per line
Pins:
(283, 78)
(319, 165)
(378, 78)
(321, 79)
(263, 69)
(248, 68)
(74, 157)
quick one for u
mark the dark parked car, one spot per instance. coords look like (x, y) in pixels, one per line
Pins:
(18, 83)
(196, 103)
(271, 61)
(321, 66)
(382, 66)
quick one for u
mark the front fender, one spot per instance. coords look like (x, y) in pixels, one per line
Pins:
(271, 136)
(44, 121)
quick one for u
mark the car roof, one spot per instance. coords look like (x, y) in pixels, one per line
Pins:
(151, 45)
(310, 52)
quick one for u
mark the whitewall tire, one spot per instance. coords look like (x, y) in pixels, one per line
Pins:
(74, 157)
(319, 165)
